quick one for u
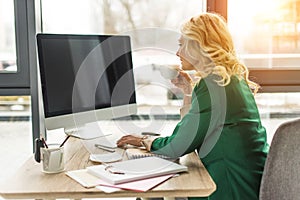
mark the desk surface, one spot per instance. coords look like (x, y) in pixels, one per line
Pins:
(30, 182)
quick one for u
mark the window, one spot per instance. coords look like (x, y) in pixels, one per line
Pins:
(7, 38)
(15, 57)
(15, 108)
(14, 78)
(115, 16)
(266, 32)
(154, 27)
(267, 37)
(14, 73)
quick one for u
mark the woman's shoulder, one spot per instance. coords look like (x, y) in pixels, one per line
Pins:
(204, 81)
(212, 80)
(200, 86)
(208, 81)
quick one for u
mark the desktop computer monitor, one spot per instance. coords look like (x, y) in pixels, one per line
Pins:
(85, 78)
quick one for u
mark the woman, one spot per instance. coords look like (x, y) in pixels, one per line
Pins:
(220, 117)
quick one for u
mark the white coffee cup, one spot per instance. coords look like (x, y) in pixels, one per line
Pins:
(168, 71)
(53, 159)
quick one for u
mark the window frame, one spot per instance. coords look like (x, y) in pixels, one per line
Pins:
(26, 80)
(18, 83)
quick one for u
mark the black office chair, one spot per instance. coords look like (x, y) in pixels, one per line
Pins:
(281, 176)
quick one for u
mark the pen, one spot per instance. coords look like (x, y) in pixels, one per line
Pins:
(62, 144)
(150, 133)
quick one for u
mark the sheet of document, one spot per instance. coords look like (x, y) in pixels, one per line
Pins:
(87, 180)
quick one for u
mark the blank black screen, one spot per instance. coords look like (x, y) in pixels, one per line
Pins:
(84, 72)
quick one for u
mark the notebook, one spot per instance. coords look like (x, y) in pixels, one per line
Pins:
(134, 153)
(136, 169)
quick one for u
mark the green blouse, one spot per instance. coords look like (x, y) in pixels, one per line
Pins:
(223, 125)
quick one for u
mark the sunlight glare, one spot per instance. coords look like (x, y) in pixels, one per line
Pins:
(241, 14)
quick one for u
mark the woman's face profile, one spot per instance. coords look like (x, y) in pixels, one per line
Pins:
(186, 61)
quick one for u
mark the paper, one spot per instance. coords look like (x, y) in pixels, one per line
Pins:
(54, 159)
(141, 185)
(136, 169)
(107, 189)
(84, 178)
(106, 158)
(87, 180)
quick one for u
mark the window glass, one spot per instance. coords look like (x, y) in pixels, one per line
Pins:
(15, 108)
(7, 37)
(115, 16)
(276, 108)
(154, 21)
(266, 32)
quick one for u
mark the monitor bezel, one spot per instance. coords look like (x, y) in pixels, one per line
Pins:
(72, 120)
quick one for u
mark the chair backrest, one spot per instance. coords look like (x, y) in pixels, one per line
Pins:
(281, 176)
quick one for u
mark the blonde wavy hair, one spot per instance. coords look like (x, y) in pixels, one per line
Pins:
(208, 40)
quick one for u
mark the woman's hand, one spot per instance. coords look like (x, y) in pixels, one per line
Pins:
(129, 139)
(184, 82)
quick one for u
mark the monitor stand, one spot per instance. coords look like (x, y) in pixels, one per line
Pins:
(91, 132)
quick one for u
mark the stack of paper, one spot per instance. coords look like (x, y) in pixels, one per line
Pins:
(87, 180)
(139, 174)
(137, 169)
(106, 158)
